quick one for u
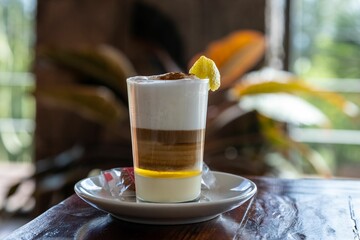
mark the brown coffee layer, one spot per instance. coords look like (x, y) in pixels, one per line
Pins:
(163, 150)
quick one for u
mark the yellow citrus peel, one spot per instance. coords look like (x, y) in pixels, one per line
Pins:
(206, 68)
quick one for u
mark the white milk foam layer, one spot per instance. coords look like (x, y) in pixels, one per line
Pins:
(168, 104)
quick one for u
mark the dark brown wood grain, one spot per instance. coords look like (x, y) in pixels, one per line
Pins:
(282, 209)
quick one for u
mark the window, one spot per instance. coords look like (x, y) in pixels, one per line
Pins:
(325, 50)
(17, 106)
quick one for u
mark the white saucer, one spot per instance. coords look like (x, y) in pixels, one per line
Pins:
(230, 192)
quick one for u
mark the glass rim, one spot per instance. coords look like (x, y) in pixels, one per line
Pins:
(145, 79)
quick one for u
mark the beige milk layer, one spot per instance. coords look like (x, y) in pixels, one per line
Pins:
(168, 123)
(168, 190)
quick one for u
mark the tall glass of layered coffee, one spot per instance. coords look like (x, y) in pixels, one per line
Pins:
(168, 119)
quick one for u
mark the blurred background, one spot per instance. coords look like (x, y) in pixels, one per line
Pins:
(288, 105)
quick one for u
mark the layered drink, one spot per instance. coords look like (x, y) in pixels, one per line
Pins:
(168, 119)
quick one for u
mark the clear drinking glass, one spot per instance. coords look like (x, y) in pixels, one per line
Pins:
(168, 120)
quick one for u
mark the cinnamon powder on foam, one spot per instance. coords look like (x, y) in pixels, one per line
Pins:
(175, 76)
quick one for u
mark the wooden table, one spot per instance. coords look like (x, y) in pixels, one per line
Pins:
(282, 209)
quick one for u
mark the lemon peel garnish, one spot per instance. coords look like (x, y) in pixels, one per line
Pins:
(206, 68)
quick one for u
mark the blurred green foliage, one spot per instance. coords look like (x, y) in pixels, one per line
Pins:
(17, 106)
(326, 48)
(16, 35)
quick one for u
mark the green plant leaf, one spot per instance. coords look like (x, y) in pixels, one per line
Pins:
(95, 103)
(277, 136)
(285, 107)
(105, 65)
(292, 86)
